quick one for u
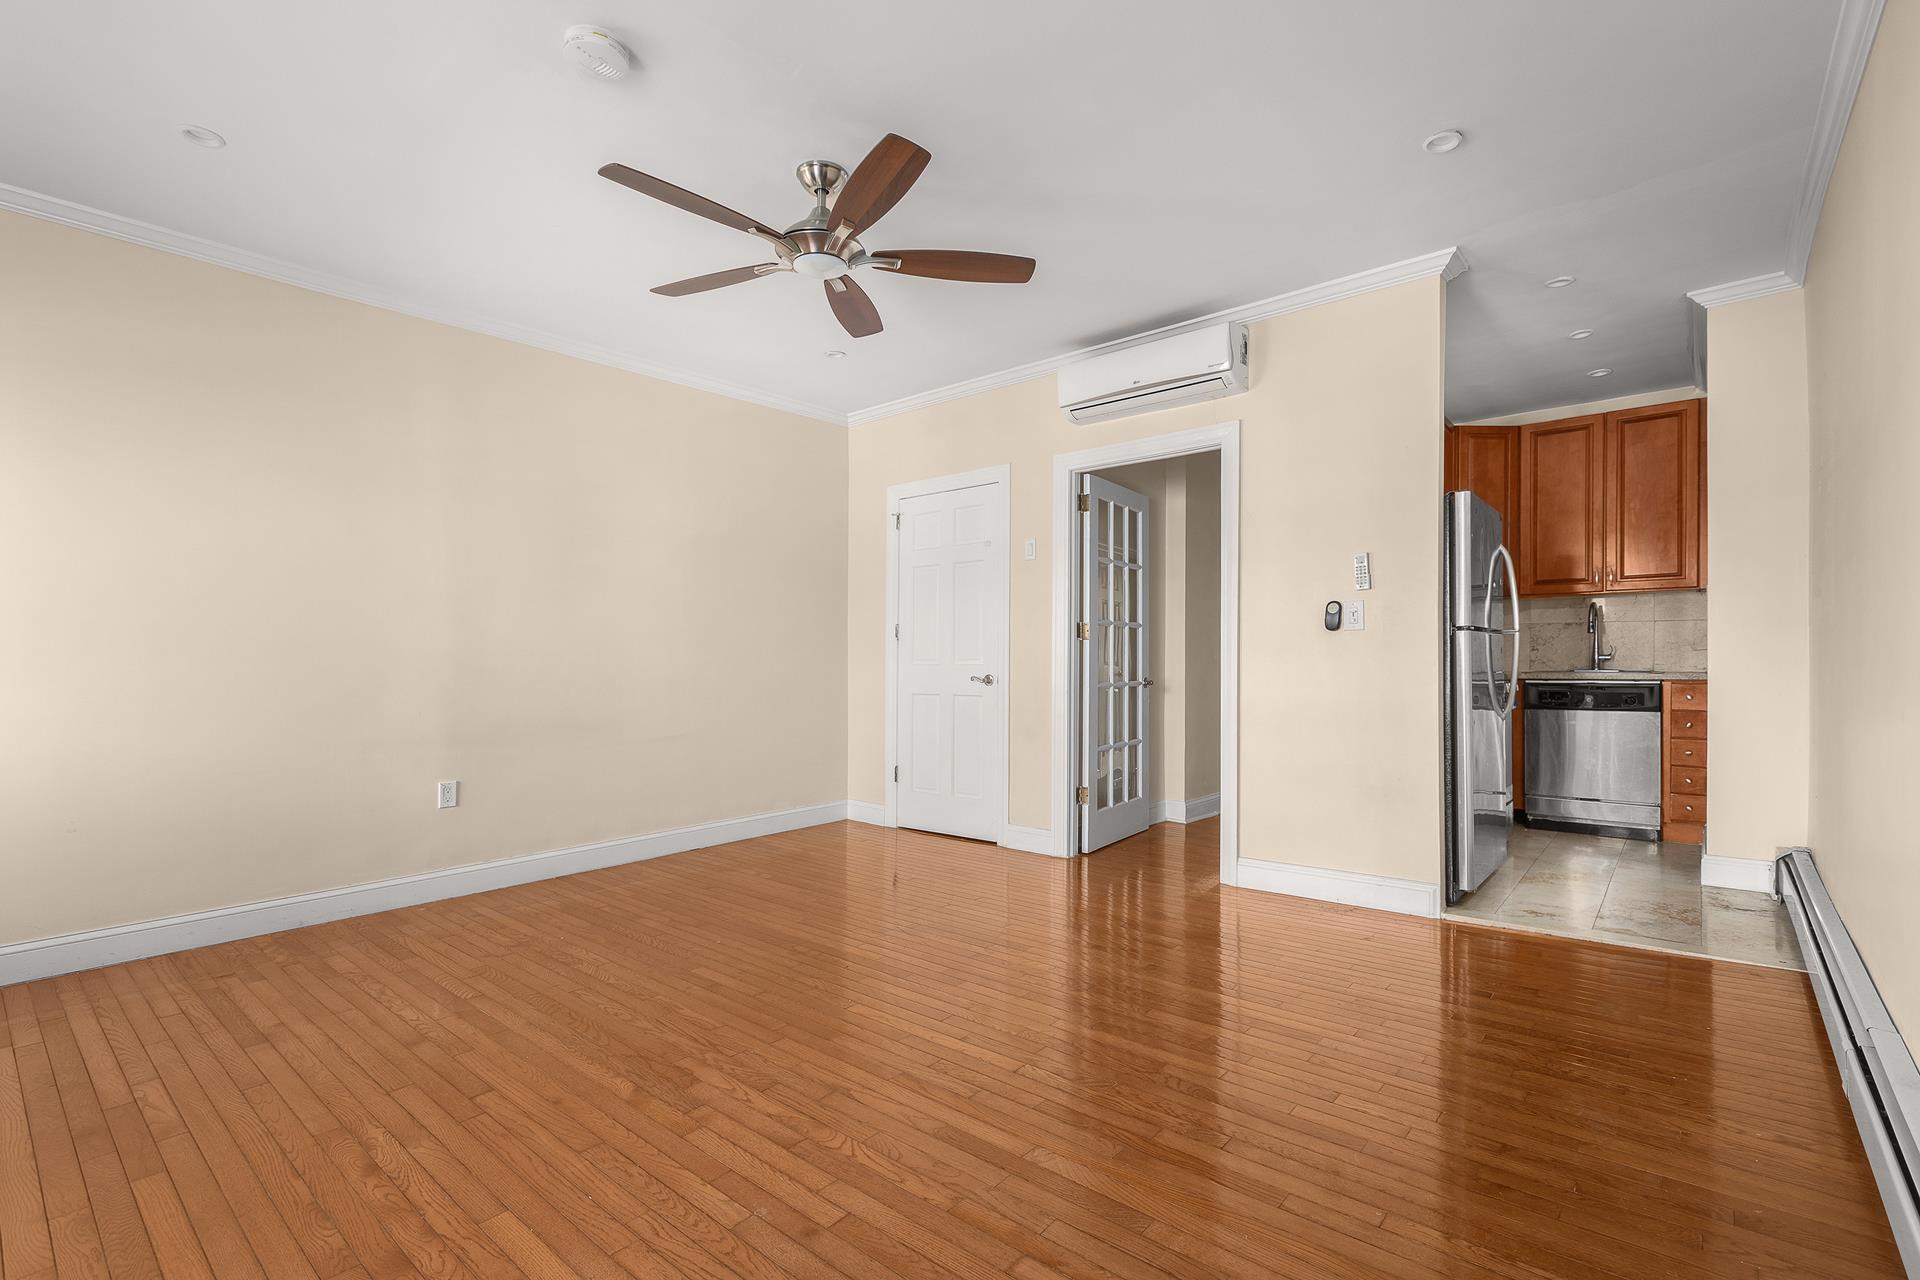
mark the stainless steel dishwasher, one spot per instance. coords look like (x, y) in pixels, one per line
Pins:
(1593, 756)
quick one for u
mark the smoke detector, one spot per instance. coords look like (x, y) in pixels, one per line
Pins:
(596, 52)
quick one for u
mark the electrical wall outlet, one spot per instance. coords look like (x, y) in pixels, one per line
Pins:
(449, 794)
(1353, 615)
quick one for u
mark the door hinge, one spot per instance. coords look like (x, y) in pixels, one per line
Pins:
(1086, 502)
(896, 519)
(1086, 631)
(896, 631)
(1080, 796)
(896, 773)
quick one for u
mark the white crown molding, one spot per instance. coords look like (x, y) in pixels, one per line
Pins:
(1719, 295)
(84, 218)
(1446, 263)
(1846, 65)
(72, 952)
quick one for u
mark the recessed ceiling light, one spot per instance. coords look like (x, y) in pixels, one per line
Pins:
(834, 355)
(1578, 334)
(1559, 282)
(1598, 373)
(1442, 142)
(202, 137)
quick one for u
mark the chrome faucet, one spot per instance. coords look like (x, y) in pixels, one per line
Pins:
(1596, 615)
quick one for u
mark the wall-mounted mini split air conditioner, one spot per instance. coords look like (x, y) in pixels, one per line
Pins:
(1200, 364)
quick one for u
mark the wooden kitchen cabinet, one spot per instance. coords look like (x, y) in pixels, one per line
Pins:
(1562, 518)
(1486, 462)
(1683, 757)
(1656, 498)
(1609, 502)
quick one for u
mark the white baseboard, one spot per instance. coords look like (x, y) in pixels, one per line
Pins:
(874, 815)
(1207, 806)
(1382, 893)
(1028, 839)
(69, 953)
(1752, 874)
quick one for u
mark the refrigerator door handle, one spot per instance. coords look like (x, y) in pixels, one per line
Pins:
(1513, 606)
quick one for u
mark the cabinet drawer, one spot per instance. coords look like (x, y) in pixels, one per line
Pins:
(1691, 752)
(1687, 695)
(1686, 781)
(1687, 724)
(1683, 809)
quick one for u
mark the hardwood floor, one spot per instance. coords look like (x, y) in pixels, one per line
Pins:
(848, 1051)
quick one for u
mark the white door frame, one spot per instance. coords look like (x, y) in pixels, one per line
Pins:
(1001, 475)
(1223, 438)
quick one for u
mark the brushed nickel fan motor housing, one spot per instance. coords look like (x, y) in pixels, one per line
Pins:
(821, 178)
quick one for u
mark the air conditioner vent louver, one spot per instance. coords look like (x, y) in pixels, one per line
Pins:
(1201, 364)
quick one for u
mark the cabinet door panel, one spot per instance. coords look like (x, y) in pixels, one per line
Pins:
(1653, 498)
(1487, 463)
(1562, 510)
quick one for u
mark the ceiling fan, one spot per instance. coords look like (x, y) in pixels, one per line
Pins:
(823, 245)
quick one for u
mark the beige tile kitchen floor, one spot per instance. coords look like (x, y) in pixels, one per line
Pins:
(1631, 892)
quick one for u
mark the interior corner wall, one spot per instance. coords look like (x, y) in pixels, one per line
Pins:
(1758, 610)
(1863, 329)
(1339, 734)
(275, 564)
(1203, 627)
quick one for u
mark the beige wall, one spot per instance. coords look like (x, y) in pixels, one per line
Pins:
(1203, 625)
(1757, 611)
(1863, 330)
(1340, 453)
(274, 564)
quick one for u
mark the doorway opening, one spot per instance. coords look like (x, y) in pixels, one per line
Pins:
(1146, 613)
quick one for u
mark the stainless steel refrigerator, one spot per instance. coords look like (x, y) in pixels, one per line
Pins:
(1482, 631)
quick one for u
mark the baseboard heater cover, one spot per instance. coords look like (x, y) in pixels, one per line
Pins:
(1877, 1068)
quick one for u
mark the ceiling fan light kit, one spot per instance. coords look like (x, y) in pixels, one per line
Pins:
(824, 245)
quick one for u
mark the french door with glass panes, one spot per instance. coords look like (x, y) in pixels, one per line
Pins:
(1113, 663)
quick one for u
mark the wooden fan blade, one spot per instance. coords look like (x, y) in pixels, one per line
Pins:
(852, 307)
(716, 280)
(680, 198)
(959, 264)
(878, 182)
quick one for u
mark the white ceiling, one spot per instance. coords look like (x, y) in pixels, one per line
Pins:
(1160, 160)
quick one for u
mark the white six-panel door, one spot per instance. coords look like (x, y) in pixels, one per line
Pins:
(952, 706)
(1113, 663)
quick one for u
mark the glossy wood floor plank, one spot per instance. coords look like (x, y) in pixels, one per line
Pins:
(847, 1052)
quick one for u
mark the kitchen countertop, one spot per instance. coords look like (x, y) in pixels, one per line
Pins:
(1640, 677)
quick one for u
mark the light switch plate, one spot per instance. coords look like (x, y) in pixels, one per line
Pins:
(1032, 549)
(1353, 615)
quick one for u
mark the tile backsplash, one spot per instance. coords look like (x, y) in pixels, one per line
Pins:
(1648, 631)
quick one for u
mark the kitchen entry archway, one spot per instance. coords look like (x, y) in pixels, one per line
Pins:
(1068, 602)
